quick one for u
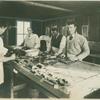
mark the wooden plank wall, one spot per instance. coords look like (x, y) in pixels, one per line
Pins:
(93, 22)
(94, 31)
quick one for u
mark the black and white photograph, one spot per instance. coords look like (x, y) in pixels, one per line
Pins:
(49, 49)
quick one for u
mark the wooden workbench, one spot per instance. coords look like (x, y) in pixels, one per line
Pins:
(84, 78)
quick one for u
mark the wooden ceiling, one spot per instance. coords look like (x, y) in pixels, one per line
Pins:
(41, 10)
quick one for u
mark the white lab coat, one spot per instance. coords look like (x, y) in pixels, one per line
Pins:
(3, 51)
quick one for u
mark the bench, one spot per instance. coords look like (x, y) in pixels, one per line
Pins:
(94, 51)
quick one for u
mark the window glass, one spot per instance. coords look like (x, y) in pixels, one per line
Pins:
(22, 30)
(19, 39)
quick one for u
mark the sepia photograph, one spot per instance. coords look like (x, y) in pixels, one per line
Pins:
(49, 49)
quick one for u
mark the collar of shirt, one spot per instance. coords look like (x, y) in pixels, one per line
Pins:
(57, 35)
(72, 36)
(30, 36)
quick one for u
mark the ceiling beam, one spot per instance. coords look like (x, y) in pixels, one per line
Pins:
(48, 6)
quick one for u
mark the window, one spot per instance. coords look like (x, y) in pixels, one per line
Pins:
(22, 30)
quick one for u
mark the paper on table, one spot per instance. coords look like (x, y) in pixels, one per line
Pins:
(71, 75)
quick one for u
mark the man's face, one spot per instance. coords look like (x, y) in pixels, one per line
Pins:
(54, 32)
(2, 30)
(71, 29)
(29, 30)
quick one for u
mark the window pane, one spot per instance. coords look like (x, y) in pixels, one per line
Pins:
(26, 25)
(19, 27)
(22, 30)
(19, 39)
(24, 36)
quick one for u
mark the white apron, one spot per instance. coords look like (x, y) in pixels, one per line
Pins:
(3, 51)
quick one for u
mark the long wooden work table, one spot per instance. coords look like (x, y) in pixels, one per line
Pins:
(82, 78)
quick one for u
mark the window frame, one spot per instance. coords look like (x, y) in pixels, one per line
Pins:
(23, 33)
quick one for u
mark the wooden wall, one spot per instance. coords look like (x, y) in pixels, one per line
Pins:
(9, 37)
(37, 27)
(93, 22)
(94, 31)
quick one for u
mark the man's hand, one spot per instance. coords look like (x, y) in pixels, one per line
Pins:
(13, 57)
(25, 48)
(73, 58)
(47, 52)
(79, 58)
(5, 59)
(56, 54)
(62, 56)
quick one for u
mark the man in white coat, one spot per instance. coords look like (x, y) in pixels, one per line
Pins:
(3, 51)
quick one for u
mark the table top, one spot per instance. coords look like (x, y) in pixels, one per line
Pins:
(83, 77)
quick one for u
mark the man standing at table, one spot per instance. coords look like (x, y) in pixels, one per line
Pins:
(3, 52)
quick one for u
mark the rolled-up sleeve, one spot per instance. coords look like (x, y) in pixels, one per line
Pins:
(3, 50)
(85, 50)
(37, 42)
(62, 45)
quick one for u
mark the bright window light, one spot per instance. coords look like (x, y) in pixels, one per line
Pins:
(22, 31)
